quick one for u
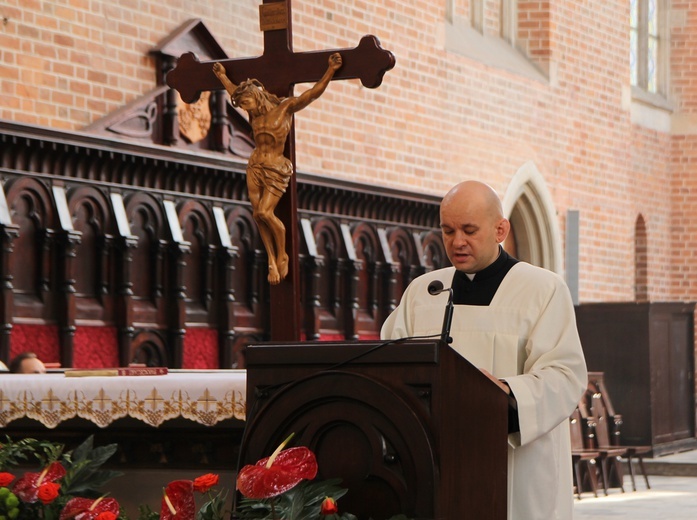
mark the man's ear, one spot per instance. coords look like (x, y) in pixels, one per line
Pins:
(502, 230)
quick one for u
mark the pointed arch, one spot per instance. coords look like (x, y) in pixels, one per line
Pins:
(147, 223)
(641, 257)
(33, 212)
(196, 221)
(89, 210)
(330, 246)
(529, 206)
(405, 253)
(370, 292)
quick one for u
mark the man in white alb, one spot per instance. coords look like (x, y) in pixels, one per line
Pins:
(516, 323)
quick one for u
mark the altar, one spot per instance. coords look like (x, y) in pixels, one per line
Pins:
(206, 397)
(184, 419)
(178, 425)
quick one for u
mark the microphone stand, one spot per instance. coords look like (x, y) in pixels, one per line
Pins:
(448, 319)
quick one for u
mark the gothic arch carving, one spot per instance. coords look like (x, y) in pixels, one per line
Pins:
(146, 222)
(328, 237)
(405, 254)
(433, 250)
(149, 347)
(32, 211)
(249, 283)
(331, 270)
(91, 216)
(370, 291)
(197, 229)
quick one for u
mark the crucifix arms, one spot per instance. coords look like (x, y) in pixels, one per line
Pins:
(239, 93)
(318, 88)
(280, 70)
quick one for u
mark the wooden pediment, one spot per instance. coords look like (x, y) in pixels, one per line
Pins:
(161, 117)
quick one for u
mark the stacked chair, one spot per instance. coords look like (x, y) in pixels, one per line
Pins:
(609, 427)
(609, 461)
(600, 453)
(584, 459)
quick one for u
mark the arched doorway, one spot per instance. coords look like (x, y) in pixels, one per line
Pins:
(535, 236)
(641, 255)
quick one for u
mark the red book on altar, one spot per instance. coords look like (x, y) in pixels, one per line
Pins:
(121, 371)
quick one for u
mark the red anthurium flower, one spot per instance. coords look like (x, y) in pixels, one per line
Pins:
(178, 501)
(205, 482)
(6, 478)
(48, 492)
(329, 507)
(90, 509)
(27, 487)
(277, 474)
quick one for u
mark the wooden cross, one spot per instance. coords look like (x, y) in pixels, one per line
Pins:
(279, 69)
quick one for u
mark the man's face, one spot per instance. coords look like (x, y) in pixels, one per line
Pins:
(471, 235)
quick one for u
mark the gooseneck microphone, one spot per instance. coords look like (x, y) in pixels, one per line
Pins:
(435, 288)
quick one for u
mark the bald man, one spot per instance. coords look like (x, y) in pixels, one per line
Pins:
(516, 323)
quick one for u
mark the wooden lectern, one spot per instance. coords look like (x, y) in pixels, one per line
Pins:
(411, 427)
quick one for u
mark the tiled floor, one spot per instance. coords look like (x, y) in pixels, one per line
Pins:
(670, 497)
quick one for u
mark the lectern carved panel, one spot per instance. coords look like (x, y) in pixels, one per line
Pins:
(383, 462)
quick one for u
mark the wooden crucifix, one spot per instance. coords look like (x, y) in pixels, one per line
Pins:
(278, 69)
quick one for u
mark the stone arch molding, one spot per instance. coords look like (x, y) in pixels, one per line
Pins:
(528, 204)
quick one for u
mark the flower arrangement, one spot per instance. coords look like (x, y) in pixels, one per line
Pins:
(66, 487)
(271, 488)
(178, 502)
(279, 487)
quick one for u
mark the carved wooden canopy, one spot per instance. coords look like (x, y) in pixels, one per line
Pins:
(144, 230)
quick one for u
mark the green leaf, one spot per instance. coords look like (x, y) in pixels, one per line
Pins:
(13, 453)
(84, 475)
(214, 509)
(145, 513)
(303, 502)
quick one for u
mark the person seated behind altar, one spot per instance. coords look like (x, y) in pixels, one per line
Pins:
(27, 363)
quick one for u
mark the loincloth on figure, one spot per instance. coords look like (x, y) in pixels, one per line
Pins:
(272, 178)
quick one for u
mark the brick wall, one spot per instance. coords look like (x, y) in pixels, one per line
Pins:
(683, 152)
(438, 118)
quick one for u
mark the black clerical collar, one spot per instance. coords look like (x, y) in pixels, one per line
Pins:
(495, 267)
(482, 288)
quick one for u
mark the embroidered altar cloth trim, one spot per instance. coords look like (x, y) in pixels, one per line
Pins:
(206, 397)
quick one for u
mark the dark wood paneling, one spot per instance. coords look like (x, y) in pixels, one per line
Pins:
(646, 351)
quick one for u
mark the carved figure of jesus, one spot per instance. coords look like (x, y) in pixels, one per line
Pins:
(268, 170)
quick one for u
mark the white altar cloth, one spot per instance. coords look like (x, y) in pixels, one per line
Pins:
(204, 396)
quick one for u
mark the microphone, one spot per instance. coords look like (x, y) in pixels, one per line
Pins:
(434, 289)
